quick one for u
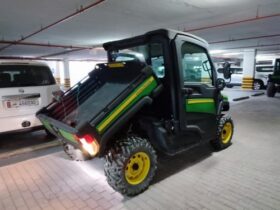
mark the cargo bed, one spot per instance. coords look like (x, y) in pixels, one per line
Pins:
(101, 102)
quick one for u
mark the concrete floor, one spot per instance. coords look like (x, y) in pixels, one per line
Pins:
(244, 176)
(237, 92)
(14, 141)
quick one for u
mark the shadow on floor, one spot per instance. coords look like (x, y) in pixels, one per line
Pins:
(167, 166)
(13, 141)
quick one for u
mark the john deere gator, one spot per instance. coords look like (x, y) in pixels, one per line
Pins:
(158, 93)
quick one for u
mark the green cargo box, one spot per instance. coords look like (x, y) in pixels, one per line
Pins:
(101, 103)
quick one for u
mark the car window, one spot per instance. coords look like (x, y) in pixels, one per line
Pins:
(25, 75)
(150, 54)
(236, 70)
(264, 68)
(277, 66)
(196, 64)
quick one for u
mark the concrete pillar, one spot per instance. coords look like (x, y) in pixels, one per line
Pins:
(57, 73)
(67, 83)
(249, 59)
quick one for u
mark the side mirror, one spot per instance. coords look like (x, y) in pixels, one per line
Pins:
(220, 84)
(226, 70)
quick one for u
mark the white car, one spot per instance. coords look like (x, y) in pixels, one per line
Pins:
(236, 77)
(261, 76)
(24, 89)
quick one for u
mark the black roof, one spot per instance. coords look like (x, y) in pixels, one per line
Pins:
(130, 41)
(168, 33)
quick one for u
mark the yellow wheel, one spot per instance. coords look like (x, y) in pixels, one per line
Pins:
(224, 133)
(137, 168)
(130, 165)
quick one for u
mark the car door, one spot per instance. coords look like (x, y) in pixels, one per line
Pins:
(237, 76)
(198, 94)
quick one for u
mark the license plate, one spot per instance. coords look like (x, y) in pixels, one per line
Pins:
(22, 103)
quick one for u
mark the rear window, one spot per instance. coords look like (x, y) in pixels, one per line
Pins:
(25, 75)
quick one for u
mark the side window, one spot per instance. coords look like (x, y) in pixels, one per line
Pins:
(277, 66)
(196, 65)
(237, 70)
(264, 68)
(150, 54)
(157, 60)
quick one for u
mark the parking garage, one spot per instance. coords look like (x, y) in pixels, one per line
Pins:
(139, 104)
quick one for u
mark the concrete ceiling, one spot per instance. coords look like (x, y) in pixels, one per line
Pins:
(225, 24)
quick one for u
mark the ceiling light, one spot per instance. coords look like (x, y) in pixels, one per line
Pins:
(232, 53)
(212, 52)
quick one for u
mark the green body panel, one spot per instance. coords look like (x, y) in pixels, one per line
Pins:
(225, 98)
(68, 136)
(201, 105)
(47, 125)
(144, 89)
(64, 134)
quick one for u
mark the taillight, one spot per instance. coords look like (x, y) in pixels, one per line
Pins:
(88, 139)
(89, 143)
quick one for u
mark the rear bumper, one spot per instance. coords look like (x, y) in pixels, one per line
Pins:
(84, 140)
(13, 124)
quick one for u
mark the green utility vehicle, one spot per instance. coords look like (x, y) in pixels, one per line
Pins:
(273, 84)
(157, 93)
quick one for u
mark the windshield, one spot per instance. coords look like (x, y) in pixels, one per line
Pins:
(25, 75)
(150, 54)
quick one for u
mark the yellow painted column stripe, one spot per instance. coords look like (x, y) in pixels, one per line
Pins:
(247, 83)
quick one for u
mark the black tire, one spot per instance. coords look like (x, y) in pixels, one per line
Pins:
(73, 153)
(224, 136)
(258, 85)
(118, 159)
(271, 89)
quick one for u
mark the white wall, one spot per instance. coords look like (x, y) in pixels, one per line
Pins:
(80, 69)
(53, 66)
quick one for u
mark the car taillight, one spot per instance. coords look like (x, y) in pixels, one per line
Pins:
(89, 143)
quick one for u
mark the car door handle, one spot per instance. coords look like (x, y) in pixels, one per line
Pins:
(187, 91)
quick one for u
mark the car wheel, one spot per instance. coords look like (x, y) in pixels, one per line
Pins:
(224, 133)
(130, 165)
(271, 89)
(257, 85)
